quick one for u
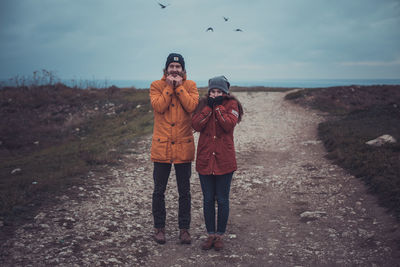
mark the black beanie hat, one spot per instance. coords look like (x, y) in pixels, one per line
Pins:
(174, 57)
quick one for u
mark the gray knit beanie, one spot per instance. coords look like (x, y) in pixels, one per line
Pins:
(219, 82)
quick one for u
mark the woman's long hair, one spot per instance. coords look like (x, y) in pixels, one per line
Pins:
(203, 103)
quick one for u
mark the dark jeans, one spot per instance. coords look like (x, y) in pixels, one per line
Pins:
(216, 188)
(161, 174)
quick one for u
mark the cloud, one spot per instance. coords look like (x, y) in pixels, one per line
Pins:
(372, 63)
(130, 39)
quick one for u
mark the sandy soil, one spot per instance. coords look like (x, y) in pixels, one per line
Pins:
(289, 207)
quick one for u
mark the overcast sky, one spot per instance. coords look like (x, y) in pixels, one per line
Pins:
(130, 39)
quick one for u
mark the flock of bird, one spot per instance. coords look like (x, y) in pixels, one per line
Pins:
(209, 29)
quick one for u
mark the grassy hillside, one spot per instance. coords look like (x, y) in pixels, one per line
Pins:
(52, 134)
(359, 114)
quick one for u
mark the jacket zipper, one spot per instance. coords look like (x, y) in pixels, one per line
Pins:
(214, 145)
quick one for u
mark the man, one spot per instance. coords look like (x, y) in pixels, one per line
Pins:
(173, 99)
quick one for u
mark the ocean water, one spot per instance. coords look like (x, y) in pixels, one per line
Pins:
(292, 83)
(295, 83)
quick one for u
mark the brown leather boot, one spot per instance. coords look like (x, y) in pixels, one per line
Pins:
(184, 236)
(218, 243)
(208, 243)
(159, 235)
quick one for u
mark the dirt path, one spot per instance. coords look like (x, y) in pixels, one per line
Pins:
(289, 207)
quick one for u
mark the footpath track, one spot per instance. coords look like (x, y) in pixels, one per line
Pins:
(289, 207)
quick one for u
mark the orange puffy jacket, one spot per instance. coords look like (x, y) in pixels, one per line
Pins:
(172, 134)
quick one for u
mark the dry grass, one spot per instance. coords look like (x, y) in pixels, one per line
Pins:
(360, 114)
(55, 134)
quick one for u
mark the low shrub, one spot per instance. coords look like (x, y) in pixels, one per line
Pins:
(359, 114)
(52, 135)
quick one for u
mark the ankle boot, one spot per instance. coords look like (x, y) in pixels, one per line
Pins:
(208, 243)
(159, 235)
(184, 236)
(218, 243)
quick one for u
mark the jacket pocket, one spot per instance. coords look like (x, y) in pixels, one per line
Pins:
(185, 149)
(159, 149)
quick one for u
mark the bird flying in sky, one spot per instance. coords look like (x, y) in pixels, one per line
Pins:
(225, 18)
(162, 6)
(238, 30)
(210, 29)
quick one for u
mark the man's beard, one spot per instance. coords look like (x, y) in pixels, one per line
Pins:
(175, 73)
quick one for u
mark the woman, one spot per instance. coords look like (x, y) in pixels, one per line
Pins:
(215, 118)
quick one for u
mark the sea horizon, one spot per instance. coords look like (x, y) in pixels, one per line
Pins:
(284, 83)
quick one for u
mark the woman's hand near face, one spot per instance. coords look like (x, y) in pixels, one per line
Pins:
(215, 97)
(218, 100)
(210, 101)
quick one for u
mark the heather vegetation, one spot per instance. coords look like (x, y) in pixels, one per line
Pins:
(357, 115)
(52, 134)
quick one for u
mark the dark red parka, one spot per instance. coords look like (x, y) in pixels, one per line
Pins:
(216, 150)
